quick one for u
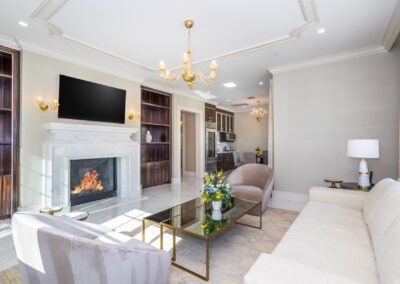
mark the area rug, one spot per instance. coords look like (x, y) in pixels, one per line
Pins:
(232, 253)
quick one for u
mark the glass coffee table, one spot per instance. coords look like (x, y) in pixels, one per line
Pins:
(194, 218)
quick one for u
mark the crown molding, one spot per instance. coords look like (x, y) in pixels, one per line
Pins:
(48, 8)
(316, 61)
(393, 29)
(172, 91)
(27, 46)
(9, 42)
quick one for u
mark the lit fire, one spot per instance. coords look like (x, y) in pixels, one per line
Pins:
(89, 182)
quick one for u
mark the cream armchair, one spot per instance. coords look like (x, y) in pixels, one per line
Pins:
(253, 182)
(58, 250)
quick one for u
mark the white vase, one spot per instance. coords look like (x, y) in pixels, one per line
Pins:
(148, 137)
(216, 215)
(216, 205)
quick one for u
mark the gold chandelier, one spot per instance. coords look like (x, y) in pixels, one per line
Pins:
(259, 113)
(188, 75)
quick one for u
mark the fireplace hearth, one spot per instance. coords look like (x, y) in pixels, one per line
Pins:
(92, 179)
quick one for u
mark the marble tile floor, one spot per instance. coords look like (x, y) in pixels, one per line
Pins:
(118, 214)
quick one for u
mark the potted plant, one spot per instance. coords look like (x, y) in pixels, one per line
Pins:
(216, 190)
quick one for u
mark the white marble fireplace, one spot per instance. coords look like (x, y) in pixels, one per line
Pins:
(65, 142)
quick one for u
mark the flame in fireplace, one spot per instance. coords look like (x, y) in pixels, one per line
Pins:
(89, 182)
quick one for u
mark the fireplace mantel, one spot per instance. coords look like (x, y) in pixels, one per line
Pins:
(67, 141)
(74, 132)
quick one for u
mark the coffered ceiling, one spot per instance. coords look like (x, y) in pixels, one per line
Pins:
(128, 38)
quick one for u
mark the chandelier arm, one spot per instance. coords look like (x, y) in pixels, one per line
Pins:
(205, 79)
(173, 78)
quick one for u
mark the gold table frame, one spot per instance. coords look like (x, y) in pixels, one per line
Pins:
(207, 239)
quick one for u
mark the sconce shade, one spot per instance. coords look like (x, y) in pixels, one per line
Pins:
(363, 148)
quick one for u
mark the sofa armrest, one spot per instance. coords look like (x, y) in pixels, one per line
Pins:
(274, 269)
(347, 198)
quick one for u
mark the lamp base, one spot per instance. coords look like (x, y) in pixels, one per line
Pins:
(363, 178)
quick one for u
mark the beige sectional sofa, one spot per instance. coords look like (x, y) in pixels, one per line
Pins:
(341, 236)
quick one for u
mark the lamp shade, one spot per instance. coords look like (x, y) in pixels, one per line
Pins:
(363, 148)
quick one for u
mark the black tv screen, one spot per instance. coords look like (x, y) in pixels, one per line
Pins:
(80, 99)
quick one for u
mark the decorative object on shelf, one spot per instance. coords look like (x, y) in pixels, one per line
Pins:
(333, 182)
(132, 115)
(217, 191)
(45, 106)
(363, 149)
(148, 137)
(210, 225)
(259, 113)
(188, 75)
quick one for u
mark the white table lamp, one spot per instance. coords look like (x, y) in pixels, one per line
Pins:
(363, 149)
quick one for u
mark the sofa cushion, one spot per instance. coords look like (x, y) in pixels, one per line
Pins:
(374, 196)
(333, 239)
(273, 269)
(387, 252)
(385, 213)
(249, 192)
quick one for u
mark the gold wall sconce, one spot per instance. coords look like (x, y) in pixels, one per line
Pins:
(132, 115)
(43, 106)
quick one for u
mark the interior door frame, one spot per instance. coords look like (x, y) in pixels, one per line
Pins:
(200, 151)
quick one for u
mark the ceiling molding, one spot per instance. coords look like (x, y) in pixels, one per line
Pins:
(48, 8)
(9, 42)
(27, 46)
(346, 55)
(393, 29)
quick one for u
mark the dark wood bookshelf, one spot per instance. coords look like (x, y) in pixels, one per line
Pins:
(9, 131)
(156, 124)
(155, 156)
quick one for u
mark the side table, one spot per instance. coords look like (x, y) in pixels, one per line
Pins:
(353, 186)
(76, 215)
(333, 182)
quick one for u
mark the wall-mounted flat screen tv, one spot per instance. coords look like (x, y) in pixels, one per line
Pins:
(84, 100)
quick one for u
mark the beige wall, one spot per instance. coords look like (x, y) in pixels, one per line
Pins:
(316, 110)
(39, 78)
(250, 133)
(189, 142)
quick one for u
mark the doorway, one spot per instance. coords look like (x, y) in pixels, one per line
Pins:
(188, 144)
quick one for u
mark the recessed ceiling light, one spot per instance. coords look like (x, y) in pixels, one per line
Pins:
(229, 85)
(230, 100)
(321, 31)
(261, 83)
(23, 24)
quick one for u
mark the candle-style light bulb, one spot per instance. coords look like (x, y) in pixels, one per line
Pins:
(185, 58)
(162, 66)
(213, 65)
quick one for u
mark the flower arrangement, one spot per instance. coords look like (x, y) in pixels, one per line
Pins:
(215, 188)
(258, 152)
(209, 225)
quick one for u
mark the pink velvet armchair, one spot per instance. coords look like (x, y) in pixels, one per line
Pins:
(253, 182)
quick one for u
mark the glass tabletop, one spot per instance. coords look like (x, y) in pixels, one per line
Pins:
(196, 218)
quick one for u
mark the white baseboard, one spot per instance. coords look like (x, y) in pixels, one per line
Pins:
(288, 200)
(188, 173)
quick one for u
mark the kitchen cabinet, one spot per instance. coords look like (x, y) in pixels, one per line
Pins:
(225, 121)
(210, 113)
(225, 161)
